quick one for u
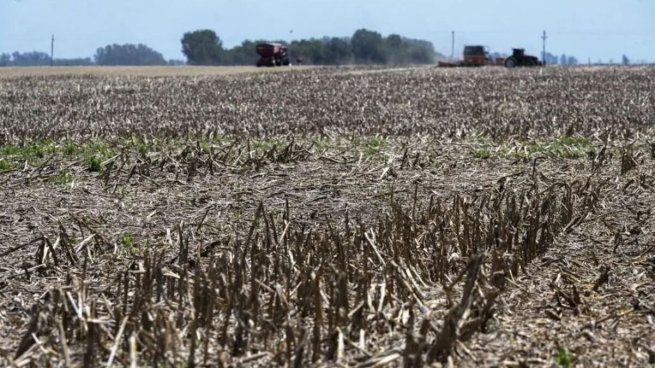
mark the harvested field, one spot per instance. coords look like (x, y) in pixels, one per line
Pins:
(136, 71)
(329, 217)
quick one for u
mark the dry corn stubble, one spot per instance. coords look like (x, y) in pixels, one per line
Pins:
(201, 221)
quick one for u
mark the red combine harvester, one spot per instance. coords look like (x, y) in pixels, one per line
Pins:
(272, 54)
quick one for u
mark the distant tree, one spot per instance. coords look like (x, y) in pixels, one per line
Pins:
(572, 60)
(563, 60)
(401, 50)
(128, 54)
(202, 47)
(368, 47)
(5, 59)
(338, 51)
(625, 60)
(34, 58)
(73, 61)
(175, 62)
(395, 50)
(394, 40)
(421, 56)
(418, 51)
(243, 54)
(324, 51)
(37, 58)
(312, 51)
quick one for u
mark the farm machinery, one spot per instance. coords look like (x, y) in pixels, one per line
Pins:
(473, 56)
(519, 58)
(479, 56)
(272, 54)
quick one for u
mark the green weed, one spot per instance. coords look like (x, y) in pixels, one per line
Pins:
(6, 165)
(482, 153)
(100, 148)
(70, 148)
(375, 144)
(127, 240)
(36, 149)
(574, 141)
(93, 163)
(563, 358)
(40, 149)
(10, 150)
(141, 146)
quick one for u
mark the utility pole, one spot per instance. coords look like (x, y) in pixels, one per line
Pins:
(452, 47)
(52, 51)
(543, 55)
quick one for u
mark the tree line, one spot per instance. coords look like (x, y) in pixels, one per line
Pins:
(37, 58)
(204, 47)
(126, 54)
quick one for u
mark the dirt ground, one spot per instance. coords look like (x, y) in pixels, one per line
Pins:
(328, 217)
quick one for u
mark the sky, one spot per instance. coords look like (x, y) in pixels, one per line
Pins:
(586, 29)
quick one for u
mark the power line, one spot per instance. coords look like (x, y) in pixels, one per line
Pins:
(543, 55)
(452, 48)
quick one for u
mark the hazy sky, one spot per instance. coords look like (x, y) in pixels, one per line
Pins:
(596, 29)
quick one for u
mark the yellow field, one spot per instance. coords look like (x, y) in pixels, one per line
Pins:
(146, 71)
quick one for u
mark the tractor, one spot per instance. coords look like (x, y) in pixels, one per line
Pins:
(272, 54)
(519, 58)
